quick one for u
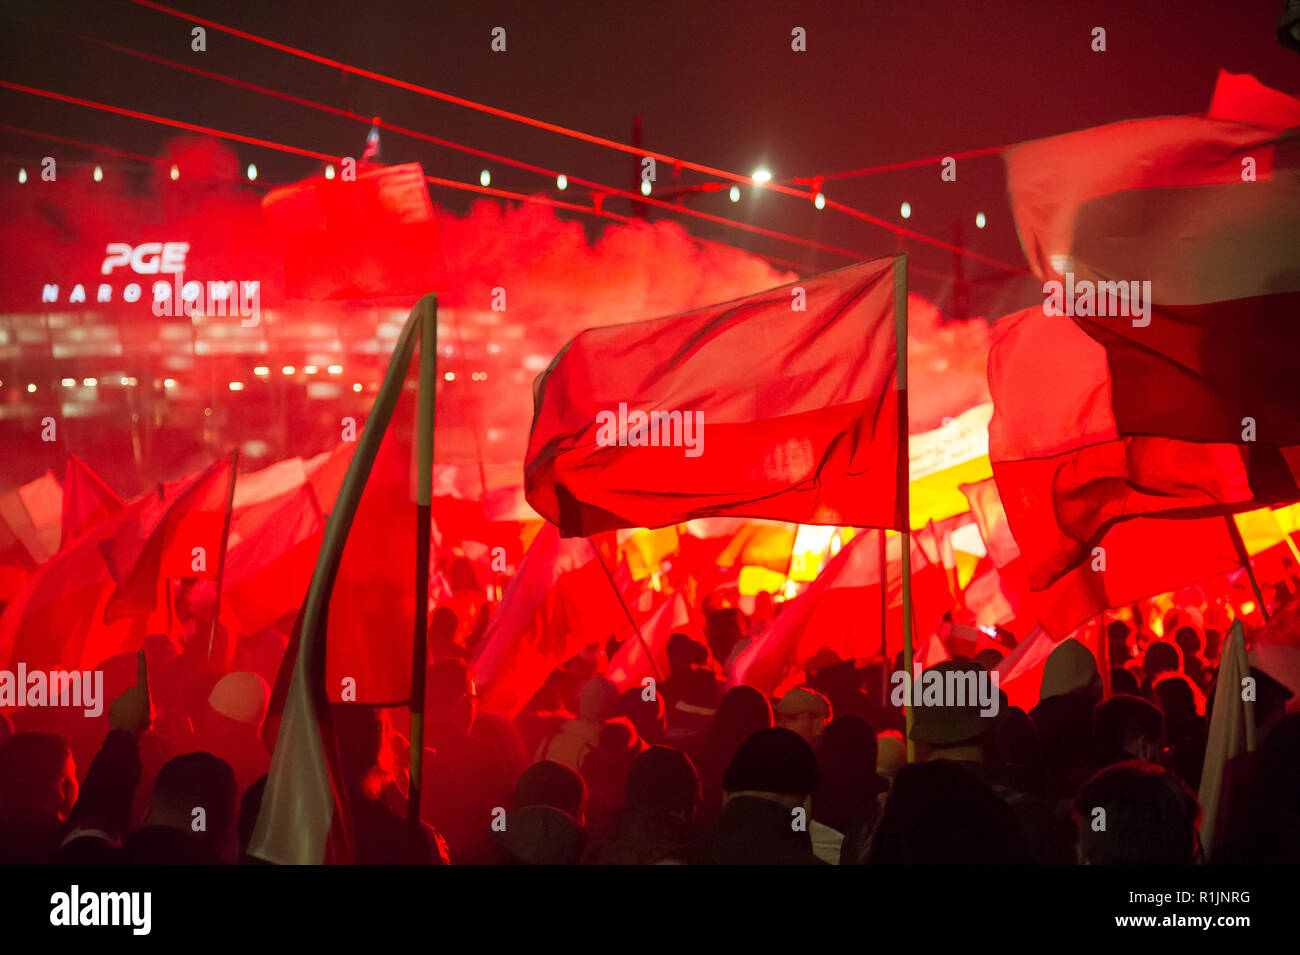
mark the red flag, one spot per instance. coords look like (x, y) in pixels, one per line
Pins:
(372, 237)
(782, 405)
(56, 621)
(177, 535)
(1066, 471)
(558, 603)
(840, 612)
(1134, 559)
(269, 561)
(86, 499)
(1171, 243)
(353, 641)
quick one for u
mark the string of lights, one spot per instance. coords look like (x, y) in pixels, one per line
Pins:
(760, 178)
(434, 180)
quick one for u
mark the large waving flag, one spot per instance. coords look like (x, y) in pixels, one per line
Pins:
(1172, 390)
(1067, 471)
(783, 405)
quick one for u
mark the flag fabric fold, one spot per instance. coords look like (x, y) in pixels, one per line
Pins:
(1168, 391)
(782, 405)
(303, 817)
(179, 534)
(86, 499)
(559, 602)
(840, 612)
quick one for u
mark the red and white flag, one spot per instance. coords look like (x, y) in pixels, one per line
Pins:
(782, 405)
(1169, 389)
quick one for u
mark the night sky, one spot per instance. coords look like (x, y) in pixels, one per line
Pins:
(716, 83)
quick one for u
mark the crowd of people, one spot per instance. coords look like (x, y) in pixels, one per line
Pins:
(680, 771)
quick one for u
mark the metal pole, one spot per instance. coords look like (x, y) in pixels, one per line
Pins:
(630, 619)
(424, 427)
(1240, 545)
(900, 347)
(221, 561)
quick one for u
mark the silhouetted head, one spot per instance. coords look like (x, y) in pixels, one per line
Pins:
(450, 695)
(664, 780)
(805, 711)
(775, 764)
(1128, 725)
(1136, 813)
(195, 793)
(38, 775)
(364, 746)
(940, 813)
(1162, 656)
(548, 783)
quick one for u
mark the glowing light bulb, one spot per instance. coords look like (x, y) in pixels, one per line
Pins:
(979, 220)
(819, 200)
(252, 172)
(22, 176)
(175, 172)
(905, 210)
(735, 194)
(485, 178)
(98, 174)
(329, 171)
(761, 176)
(645, 187)
(561, 182)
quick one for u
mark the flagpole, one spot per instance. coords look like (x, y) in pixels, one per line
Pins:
(904, 518)
(1103, 651)
(306, 734)
(424, 427)
(630, 619)
(1235, 533)
(221, 559)
(884, 615)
